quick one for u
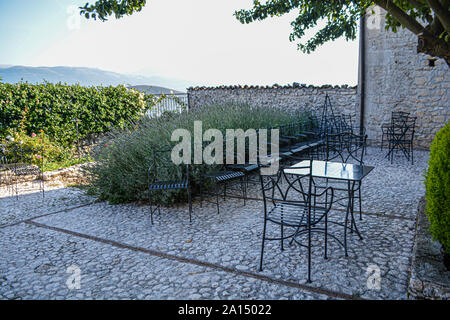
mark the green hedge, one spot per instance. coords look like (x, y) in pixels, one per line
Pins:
(53, 107)
(438, 188)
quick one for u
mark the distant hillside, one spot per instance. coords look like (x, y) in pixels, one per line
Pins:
(155, 90)
(84, 76)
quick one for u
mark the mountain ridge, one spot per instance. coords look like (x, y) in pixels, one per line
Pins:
(86, 76)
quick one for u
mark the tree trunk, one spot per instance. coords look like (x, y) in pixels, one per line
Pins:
(434, 49)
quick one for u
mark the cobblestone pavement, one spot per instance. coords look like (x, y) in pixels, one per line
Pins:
(120, 255)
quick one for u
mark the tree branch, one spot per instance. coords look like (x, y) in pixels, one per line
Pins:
(442, 13)
(428, 42)
(419, 5)
(403, 18)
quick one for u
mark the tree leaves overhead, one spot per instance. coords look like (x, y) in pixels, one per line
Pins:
(102, 9)
(428, 19)
(341, 18)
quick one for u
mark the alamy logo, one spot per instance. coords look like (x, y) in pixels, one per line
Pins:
(373, 21)
(374, 277)
(73, 19)
(235, 139)
(74, 280)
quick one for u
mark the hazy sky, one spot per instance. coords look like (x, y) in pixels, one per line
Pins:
(195, 40)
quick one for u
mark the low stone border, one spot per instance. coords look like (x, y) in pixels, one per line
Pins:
(429, 277)
(69, 175)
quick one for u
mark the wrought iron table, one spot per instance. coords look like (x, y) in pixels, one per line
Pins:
(351, 173)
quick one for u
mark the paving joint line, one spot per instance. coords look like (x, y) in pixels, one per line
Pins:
(210, 265)
(45, 215)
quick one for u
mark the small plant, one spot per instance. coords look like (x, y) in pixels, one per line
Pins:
(437, 185)
(38, 149)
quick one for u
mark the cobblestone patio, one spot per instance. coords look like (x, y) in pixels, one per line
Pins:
(122, 256)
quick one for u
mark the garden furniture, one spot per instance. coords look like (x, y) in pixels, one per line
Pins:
(294, 207)
(345, 147)
(20, 161)
(351, 174)
(157, 182)
(400, 136)
(221, 179)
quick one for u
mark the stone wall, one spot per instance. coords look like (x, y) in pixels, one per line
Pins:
(69, 175)
(400, 79)
(343, 98)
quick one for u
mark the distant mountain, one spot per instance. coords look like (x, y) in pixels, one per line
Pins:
(85, 77)
(155, 90)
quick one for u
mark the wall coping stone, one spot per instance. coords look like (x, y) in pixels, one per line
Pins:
(295, 85)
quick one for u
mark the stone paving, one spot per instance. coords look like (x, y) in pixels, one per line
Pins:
(120, 255)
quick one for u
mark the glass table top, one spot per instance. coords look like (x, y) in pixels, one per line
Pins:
(331, 170)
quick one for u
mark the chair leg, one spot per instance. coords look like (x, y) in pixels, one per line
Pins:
(244, 189)
(309, 251)
(326, 235)
(190, 205)
(262, 246)
(201, 196)
(360, 202)
(217, 201)
(224, 191)
(151, 208)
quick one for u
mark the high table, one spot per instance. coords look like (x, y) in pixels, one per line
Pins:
(351, 173)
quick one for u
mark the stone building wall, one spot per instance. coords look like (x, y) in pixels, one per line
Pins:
(343, 98)
(400, 79)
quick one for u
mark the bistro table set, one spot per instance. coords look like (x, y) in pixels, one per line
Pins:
(331, 175)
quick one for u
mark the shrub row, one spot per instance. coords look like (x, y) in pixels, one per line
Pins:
(120, 170)
(53, 108)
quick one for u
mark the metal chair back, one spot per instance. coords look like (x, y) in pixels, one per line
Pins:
(346, 147)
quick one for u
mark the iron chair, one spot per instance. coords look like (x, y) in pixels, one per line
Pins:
(345, 147)
(221, 177)
(23, 163)
(243, 161)
(155, 184)
(401, 137)
(387, 128)
(295, 207)
(5, 169)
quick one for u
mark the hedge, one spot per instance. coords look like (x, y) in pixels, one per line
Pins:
(437, 185)
(54, 107)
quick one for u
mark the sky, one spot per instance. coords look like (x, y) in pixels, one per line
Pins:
(195, 40)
